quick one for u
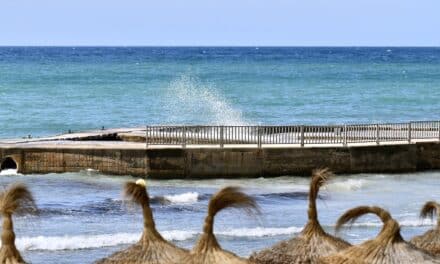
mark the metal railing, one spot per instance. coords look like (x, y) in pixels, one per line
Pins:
(292, 135)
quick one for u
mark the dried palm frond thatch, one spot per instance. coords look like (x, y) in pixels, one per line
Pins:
(207, 250)
(15, 199)
(152, 248)
(312, 243)
(387, 248)
(430, 241)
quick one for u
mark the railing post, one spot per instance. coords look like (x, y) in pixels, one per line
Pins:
(377, 134)
(222, 136)
(409, 132)
(345, 135)
(438, 124)
(302, 136)
(146, 137)
(184, 137)
(259, 137)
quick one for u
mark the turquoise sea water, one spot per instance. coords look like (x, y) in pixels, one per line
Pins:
(82, 215)
(51, 90)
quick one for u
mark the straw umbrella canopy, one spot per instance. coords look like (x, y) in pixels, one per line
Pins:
(387, 248)
(430, 241)
(152, 248)
(207, 249)
(312, 243)
(15, 199)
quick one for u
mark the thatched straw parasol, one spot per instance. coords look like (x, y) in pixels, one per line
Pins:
(15, 199)
(207, 250)
(152, 248)
(387, 248)
(312, 243)
(430, 241)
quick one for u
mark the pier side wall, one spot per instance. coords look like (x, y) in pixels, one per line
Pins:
(228, 162)
(109, 161)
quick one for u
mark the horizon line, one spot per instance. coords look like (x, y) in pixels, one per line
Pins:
(220, 46)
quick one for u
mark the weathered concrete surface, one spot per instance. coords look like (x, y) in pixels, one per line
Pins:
(392, 158)
(428, 156)
(226, 163)
(56, 160)
(127, 158)
(301, 161)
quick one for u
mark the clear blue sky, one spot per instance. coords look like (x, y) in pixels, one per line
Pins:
(221, 22)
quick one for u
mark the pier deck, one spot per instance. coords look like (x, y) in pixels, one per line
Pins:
(193, 152)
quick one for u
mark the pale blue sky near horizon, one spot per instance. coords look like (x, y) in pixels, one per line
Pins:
(220, 23)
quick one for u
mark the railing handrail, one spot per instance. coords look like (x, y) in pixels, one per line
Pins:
(291, 134)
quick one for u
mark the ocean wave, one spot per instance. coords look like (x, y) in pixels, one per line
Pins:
(260, 231)
(76, 242)
(53, 243)
(106, 206)
(189, 197)
(402, 223)
(289, 195)
(347, 185)
(183, 198)
(119, 207)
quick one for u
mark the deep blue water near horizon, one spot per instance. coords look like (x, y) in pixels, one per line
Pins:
(49, 90)
(82, 215)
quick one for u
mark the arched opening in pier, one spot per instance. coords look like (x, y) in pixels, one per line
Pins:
(8, 164)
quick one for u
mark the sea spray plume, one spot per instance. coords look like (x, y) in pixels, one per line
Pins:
(207, 250)
(430, 241)
(15, 199)
(387, 248)
(188, 96)
(152, 248)
(312, 243)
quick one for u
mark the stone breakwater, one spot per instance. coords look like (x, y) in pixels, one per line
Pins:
(115, 152)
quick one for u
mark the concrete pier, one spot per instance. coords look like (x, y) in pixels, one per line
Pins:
(110, 153)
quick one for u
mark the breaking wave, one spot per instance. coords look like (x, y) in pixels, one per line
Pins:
(183, 198)
(347, 185)
(189, 197)
(260, 231)
(54, 243)
(402, 223)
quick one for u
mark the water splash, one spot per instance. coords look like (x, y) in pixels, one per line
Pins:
(189, 197)
(9, 172)
(188, 100)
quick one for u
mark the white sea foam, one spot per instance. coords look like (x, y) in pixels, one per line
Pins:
(189, 197)
(260, 231)
(189, 97)
(9, 172)
(260, 185)
(91, 171)
(53, 243)
(402, 223)
(178, 235)
(347, 185)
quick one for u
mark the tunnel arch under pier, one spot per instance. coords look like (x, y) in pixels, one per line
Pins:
(8, 163)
